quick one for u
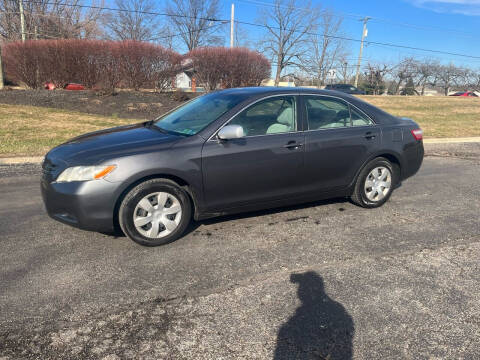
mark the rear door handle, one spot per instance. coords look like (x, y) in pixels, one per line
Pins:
(369, 135)
(293, 145)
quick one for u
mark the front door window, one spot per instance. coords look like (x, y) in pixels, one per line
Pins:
(270, 116)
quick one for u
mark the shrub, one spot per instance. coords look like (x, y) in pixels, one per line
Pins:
(225, 67)
(21, 61)
(146, 64)
(107, 64)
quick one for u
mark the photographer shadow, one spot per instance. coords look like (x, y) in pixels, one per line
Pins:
(321, 328)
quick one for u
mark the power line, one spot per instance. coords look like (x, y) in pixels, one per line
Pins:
(340, 14)
(371, 42)
(124, 10)
(418, 54)
(31, 13)
(264, 26)
(426, 28)
(266, 4)
(185, 33)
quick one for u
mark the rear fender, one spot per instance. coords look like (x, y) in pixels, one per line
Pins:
(392, 156)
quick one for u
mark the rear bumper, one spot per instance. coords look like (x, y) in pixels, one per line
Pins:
(87, 205)
(413, 158)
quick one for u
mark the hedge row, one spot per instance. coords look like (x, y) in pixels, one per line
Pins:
(225, 67)
(127, 64)
(107, 64)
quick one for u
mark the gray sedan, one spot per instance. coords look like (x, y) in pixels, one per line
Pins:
(226, 152)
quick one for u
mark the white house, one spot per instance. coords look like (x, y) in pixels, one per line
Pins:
(183, 81)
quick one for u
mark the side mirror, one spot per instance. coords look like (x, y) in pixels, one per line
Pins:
(230, 132)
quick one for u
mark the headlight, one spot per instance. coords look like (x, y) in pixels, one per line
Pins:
(84, 173)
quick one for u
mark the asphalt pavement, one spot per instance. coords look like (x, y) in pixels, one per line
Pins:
(327, 280)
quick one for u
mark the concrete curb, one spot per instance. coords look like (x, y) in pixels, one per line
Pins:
(21, 160)
(452, 140)
(39, 159)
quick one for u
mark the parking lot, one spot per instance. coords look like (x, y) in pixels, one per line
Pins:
(327, 280)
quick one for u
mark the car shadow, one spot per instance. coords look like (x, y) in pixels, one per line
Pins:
(194, 225)
(320, 328)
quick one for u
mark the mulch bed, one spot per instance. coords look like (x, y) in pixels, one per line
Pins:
(124, 104)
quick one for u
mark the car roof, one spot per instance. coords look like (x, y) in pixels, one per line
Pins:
(272, 90)
(263, 90)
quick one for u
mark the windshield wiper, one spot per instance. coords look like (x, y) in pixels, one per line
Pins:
(148, 123)
(152, 124)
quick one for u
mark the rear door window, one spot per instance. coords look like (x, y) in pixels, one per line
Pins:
(326, 113)
(358, 119)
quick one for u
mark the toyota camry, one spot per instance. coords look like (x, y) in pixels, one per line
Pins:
(226, 152)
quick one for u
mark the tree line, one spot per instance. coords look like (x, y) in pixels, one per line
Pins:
(286, 38)
(302, 40)
(411, 76)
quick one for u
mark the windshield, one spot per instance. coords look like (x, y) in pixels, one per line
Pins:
(197, 114)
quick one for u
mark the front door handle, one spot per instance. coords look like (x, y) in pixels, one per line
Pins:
(369, 135)
(293, 145)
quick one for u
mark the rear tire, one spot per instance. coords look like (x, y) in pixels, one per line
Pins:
(375, 183)
(155, 212)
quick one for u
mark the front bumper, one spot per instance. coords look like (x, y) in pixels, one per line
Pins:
(88, 205)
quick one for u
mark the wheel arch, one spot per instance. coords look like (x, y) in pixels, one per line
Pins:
(390, 156)
(176, 179)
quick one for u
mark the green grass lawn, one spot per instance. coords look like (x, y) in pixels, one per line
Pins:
(438, 116)
(29, 130)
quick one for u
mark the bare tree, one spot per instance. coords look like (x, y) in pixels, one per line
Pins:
(241, 36)
(463, 80)
(134, 21)
(374, 81)
(195, 21)
(448, 76)
(327, 50)
(474, 80)
(47, 19)
(402, 72)
(426, 74)
(288, 29)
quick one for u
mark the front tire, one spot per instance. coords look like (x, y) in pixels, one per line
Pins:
(375, 183)
(155, 212)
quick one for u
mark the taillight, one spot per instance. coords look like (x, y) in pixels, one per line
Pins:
(417, 134)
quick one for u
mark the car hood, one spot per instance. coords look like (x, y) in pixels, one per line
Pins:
(105, 144)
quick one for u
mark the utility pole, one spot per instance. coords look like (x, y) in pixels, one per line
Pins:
(1, 70)
(364, 34)
(22, 19)
(344, 72)
(232, 22)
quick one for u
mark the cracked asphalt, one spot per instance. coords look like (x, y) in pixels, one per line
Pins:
(326, 280)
